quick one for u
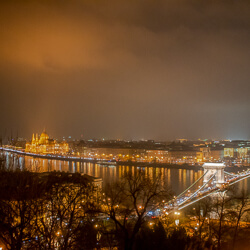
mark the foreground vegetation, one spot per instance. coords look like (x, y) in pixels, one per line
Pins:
(58, 210)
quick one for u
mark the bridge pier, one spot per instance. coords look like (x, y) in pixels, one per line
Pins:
(216, 169)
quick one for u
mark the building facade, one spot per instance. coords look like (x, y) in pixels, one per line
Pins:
(44, 145)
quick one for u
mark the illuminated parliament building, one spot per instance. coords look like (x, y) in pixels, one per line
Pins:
(45, 145)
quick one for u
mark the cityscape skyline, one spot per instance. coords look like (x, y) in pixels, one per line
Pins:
(182, 151)
(8, 134)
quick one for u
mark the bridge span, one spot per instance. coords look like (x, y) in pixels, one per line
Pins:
(215, 179)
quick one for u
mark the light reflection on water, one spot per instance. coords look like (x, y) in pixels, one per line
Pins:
(177, 179)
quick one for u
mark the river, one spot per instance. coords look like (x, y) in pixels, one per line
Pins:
(177, 179)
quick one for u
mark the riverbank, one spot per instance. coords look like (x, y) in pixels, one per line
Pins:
(102, 162)
(49, 157)
(119, 163)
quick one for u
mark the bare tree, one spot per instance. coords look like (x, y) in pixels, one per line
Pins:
(19, 192)
(62, 214)
(42, 211)
(220, 222)
(197, 220)
(239, 210)
(128, 201)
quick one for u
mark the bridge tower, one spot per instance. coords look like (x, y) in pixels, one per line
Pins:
(216, 169)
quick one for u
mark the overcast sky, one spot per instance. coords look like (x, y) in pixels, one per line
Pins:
(126, 69)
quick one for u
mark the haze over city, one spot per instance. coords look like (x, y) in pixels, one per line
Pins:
(125, 69)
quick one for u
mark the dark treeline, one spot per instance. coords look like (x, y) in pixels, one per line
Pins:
(41, 211)
(58, 210)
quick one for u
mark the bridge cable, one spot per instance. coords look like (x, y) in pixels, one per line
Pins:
(199, 188)
(191, 185)
(192, 202)
(240, 179)
(229, 173)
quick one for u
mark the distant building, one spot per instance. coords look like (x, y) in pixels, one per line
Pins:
(229, 152)
(177, 152)
(183, 156)
(204, 154)
(238, 155)
(217, 155)
(45, 145)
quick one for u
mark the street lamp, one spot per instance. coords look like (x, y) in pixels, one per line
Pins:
(177, 220)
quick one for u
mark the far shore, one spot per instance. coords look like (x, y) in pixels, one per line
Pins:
(142, 165)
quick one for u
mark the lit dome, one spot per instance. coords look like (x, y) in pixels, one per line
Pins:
(43, 138)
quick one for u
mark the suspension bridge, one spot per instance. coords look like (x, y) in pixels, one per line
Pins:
(215, 179)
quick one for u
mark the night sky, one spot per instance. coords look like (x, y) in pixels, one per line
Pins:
(125, 69)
